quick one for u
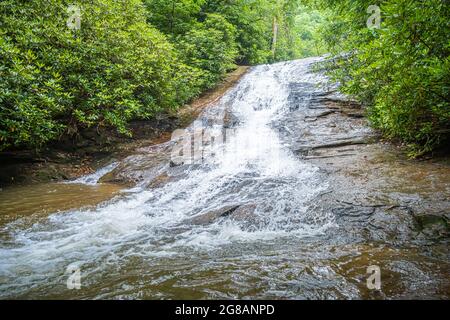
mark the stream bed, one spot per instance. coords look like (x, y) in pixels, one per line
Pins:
(289, 195)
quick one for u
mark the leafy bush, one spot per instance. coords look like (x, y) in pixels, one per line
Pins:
(54, 80)
(174, 17)
(400, 71)
(210, 47)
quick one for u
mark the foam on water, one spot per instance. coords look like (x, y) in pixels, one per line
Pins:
(253, 168)
(93, 179)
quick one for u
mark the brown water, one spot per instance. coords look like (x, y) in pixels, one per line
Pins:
(38, 201)
(266, 216)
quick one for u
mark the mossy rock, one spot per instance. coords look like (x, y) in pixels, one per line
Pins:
(434, 225)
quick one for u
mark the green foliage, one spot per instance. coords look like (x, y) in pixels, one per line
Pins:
(252, 19)
(308, 38)
(400, 71)
(54, 80)
(131, 58)
(210, 47)
(174, 17)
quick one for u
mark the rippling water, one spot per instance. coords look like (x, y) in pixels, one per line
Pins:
(171, 241)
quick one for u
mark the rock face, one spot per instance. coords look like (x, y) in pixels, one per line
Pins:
(213, 216)
(230, 120)
(240, 213)
(375, 193)
(434, 226)
(245, 213)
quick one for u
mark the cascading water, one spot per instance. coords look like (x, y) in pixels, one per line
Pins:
(181, 239)
(94, 178)
(253, 169)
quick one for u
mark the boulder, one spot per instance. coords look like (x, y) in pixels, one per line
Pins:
(212, 216)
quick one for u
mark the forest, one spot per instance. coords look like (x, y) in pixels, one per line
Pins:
(133, 59)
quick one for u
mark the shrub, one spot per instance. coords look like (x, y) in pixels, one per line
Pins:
(401, 71)
(54, 80)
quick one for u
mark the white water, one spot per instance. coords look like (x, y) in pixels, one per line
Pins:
(93, 178)
(255, 168)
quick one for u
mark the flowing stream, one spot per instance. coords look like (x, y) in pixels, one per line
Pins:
(245, 221)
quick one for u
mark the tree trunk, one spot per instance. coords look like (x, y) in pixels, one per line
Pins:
(275, 37)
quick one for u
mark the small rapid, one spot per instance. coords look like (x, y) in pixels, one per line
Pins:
(248, 218)
(253, 169)
(93, 179)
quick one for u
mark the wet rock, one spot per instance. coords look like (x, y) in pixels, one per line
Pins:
(211, 217)
(377, 222)
(434, 226)
(393, 224)
(357, 115)
(244, 213)
(159, 181)
(230, 120)
(115, 177)
(325, 113)
(354, 213)
(337, 144)
(342, 155)
(175, 163)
